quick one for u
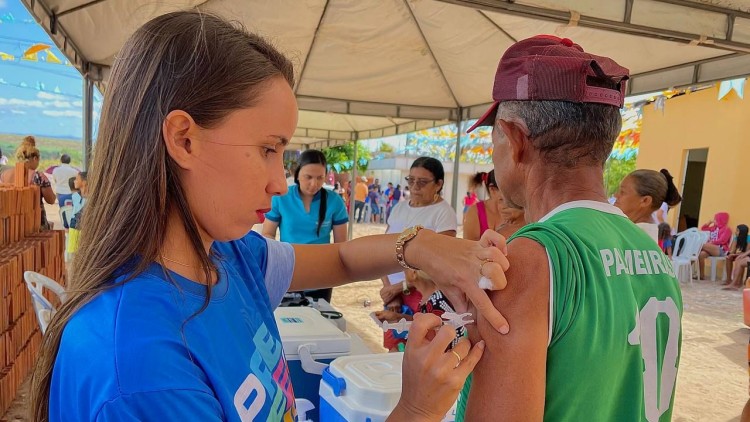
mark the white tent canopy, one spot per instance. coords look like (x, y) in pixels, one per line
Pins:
(370, 68)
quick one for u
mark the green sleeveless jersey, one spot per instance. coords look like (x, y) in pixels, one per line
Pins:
(615, 318)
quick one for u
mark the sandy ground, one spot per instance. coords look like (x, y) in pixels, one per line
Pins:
(712, 383)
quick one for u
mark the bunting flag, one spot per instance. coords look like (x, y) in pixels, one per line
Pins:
(628, 141)
(660, 103)
(736, 85)
(51, 58)
(9, 18)
(440, 142)
(31, 54)
(39, 86)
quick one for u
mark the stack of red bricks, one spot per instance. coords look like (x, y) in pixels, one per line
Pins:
(22, 248)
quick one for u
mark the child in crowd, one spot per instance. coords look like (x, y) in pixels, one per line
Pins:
(79, 197)
(80, 192)
(383, 205)
(470, 199)
(69, 202)
(665, 238)
(433, 301)
(374, 197)
(737, 258)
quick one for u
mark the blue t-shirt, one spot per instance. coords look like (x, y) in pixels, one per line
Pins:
(132, 353)
(299, 226)
(374, 196)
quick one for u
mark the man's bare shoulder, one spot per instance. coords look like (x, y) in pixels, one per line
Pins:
(511, 373)
(528, 286)
(528, 261)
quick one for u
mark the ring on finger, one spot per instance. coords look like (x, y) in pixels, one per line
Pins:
(481, 266)
(457, 357)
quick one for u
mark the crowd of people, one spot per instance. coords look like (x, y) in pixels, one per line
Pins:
(372, 203)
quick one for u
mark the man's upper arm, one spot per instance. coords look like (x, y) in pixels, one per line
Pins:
(511, 374)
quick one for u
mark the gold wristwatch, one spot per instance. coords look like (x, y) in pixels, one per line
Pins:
(403, 238)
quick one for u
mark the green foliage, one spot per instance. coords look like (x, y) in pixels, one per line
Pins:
(50, 150)
(385, 148)
(614, 171)
(341, 157)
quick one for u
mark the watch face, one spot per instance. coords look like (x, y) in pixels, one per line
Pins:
(410, 233)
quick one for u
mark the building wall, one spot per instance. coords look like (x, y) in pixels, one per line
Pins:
(699, 120)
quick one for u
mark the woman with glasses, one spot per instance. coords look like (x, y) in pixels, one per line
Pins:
(424, 208)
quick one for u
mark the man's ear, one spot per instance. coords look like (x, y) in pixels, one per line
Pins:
(176, 131)
(517, 139)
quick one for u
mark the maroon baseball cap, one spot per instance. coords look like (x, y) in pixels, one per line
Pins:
(546, 67)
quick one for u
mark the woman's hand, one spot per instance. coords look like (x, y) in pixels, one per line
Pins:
(388, 293)
(432, 377)
(457, 266)
(391, 316)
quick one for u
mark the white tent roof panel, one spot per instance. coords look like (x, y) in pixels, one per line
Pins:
(465, 56)
(380, 66)
(729, 4)
(636, 53)
(365, 59)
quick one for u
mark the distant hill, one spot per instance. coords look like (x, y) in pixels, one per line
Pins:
(50, 148)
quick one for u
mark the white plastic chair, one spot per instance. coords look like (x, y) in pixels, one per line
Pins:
(43, 307)
(714, 260)
(687, 247)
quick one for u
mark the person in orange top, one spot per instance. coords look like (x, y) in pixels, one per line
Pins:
(360, 194)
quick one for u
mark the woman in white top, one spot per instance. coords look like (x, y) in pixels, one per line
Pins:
(425, 208)
(642, 192)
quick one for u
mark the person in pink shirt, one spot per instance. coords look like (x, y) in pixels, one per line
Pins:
(718, 242)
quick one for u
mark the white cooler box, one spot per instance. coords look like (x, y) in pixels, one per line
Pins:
(364, 388)
(310, 342)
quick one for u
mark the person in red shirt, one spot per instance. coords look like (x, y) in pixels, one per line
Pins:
(719, 237)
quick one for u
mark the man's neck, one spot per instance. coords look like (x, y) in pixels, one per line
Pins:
(548, 187)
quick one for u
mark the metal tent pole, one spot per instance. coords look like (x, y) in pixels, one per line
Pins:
(88, 120)
(457, 159)
(352, 187)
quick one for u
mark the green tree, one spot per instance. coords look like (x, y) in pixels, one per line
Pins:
(341, 157)
(614, 171)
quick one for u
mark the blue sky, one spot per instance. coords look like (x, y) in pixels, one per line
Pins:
(38, 98)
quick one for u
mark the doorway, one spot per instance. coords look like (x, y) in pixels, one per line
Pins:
(692, 188)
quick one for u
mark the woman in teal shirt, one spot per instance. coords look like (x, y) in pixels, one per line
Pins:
(308, 214)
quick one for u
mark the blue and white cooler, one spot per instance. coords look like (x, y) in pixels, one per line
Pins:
(310, 343)
(363, 388)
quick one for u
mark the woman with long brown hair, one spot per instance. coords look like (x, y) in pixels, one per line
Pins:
(170, 301)
(483, 215)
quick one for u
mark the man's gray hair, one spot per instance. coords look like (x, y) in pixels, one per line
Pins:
(567, 134)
